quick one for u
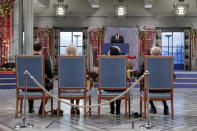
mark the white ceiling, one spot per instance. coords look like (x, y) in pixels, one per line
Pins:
(135, 8)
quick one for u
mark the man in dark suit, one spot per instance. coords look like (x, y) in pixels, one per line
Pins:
(38, 50)
(117, 38)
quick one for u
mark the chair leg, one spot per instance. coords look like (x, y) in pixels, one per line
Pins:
(90, 105)
(172, 109)
(140, 106)
(21, 106)
(129, 106)
(144, 108)
(126, 107)
(58, 108)
(85, 107)
(43, 107)
(51, 106)
(16, 113)
(99, 108)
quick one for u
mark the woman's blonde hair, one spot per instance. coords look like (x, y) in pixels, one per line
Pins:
(71, 50)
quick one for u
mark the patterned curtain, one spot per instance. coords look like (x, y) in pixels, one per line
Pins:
(85, 41)
(194, 35)
(158, 38)
(147, 40)
(45, 35)
(187, 46)
(55, 47)
(96, 38)
(6, 29)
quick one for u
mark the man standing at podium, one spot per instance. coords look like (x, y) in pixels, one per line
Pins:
(117, 38)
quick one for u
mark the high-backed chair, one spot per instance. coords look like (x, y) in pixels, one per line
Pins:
(112, 76)
(34, 65)
(160, 80)
(72, 72)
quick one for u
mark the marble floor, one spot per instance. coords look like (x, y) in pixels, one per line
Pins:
(185, 110)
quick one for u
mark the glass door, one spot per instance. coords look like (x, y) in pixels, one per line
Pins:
(173, 44)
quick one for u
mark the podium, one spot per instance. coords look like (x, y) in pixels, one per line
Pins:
(124, 47)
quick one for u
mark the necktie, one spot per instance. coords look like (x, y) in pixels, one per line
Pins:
(117, 37)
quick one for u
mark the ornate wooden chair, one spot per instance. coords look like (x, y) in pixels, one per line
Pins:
(161, 69)
(112, 76)
(35, 65)
(72, 72)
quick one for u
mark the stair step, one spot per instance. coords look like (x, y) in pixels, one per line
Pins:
(185, 85)
(186, 80)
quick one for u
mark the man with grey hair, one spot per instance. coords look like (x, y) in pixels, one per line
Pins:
(155, 50)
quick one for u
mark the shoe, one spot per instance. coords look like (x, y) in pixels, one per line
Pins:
(153, 110)
(72, 111)
(77, 111)
(117, 112)
(112, 111)
(166, 111)
(40, 112)
(55, 112)
(31, 110)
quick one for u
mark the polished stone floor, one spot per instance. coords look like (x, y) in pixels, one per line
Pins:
(185, 110)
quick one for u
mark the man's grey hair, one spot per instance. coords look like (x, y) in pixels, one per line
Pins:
(155, 50)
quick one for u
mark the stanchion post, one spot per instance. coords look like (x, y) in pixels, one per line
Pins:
(148, 119)
(25, 124)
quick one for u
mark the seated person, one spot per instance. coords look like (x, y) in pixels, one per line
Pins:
(154, 51)
(38, 50)
(71, 50)
(114, 51)
(117, 38)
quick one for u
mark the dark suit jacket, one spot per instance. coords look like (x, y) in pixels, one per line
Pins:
(48, 71)
(114, 40)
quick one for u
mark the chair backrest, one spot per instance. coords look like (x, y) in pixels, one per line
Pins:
(112, 72)
(161, 69)
(72, 71)
(35, 65)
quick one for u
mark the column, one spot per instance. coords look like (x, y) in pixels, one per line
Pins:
(28, 26)
(15, 40)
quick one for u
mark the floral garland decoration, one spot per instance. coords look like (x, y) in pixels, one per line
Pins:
(6, 7)
(142, 34)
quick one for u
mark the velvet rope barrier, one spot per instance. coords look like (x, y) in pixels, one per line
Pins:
(92, 106)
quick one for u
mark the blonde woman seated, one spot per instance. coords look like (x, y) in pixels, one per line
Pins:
(71, 50)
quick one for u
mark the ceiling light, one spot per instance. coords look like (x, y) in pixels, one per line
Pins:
(60, 8)
(181, 9)
(120, 8)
